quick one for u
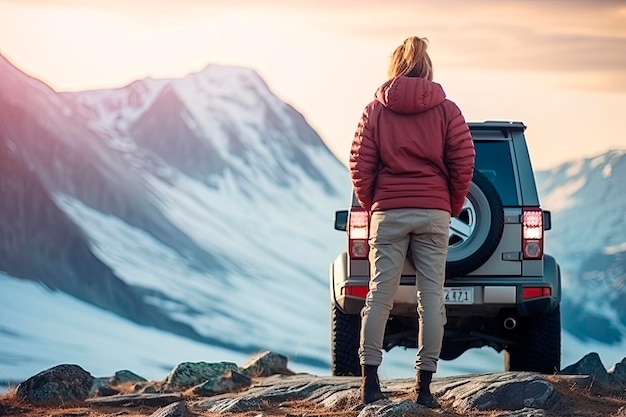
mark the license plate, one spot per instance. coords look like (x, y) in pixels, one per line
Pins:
(463, 295)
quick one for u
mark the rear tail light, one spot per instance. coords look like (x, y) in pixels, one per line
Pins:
(535, 292)
(358, 233)
(359, 291)
(532, 236)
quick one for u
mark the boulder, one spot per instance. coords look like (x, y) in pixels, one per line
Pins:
(189, 374)
(106, 386)
(136, 400)
(173, 410)
(386, 408)
(591, 365)
(61, 384)
(124, 376)
(266, 363)
(232, 381)
(617, 374)
(228, 405)
(501, 391)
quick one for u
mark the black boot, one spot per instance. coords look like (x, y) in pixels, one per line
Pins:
(370, 386)
(422, 386)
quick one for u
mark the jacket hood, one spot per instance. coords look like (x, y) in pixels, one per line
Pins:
(410, 95)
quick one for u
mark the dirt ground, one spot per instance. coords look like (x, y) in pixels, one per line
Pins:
(580, 402)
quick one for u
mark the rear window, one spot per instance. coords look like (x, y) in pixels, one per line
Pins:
(493, 159)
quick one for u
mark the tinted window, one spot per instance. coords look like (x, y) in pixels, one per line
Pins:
(493, 159)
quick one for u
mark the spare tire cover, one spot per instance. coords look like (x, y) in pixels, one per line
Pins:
(476, 232)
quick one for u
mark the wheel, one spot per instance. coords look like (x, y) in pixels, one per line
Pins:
(345, 333)
(540, 347)
(476, 232)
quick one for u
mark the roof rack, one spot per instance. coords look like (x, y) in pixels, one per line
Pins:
(497, 124)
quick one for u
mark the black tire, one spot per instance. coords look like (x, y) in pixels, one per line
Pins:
(540, 347)
(483, 214)
(345, 332)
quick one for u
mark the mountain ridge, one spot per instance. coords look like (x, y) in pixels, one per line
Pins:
(100, 165)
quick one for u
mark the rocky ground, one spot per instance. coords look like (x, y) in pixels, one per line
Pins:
(266, 387)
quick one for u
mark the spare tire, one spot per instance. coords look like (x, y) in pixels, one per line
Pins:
(476, 232)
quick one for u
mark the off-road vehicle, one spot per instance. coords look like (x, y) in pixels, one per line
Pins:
(501, 290)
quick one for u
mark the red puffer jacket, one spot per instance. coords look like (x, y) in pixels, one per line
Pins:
(412, 149)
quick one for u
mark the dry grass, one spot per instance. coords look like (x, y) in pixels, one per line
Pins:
(588, 402)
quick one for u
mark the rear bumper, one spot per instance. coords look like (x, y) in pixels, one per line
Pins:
(489, 298)
(491, 294)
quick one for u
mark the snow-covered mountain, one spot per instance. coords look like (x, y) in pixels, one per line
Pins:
(588, 202)
(191, 219)
(202, 207)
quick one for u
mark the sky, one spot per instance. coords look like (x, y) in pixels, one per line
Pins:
(558, 66)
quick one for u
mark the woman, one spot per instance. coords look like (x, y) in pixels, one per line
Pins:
(411, 164)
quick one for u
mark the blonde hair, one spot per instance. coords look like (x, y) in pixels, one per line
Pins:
(411, 59)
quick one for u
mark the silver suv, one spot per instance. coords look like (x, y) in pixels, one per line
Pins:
(501, 289)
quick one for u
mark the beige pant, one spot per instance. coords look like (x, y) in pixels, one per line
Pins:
(392, 233)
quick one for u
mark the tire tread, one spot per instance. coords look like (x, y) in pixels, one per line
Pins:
(345, 343)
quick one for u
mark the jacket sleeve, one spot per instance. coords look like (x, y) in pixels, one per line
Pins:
(364, 160)
(459, 159)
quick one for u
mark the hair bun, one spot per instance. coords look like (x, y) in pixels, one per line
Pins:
(411, 59)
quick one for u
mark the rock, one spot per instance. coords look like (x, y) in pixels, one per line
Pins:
(279, 388)
(62, 384)
(135, 400)
(386, 408)
(230, 382)
(266, 363)
(341, 399)
(510, 394)
(188, 374)
(124, 376)
(590, 364)
(105, 391)
(228, 405)
(146, 389)
(100, 387)
(617, 374)
(524, 412)
(504, 391)
(105, 386)
(173, 410)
